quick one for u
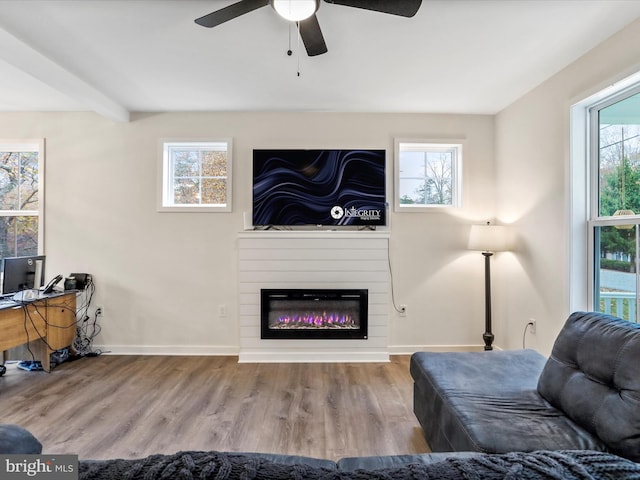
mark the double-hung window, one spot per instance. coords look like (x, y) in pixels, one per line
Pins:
(196, 176)
(428, 175)
(614, 223)
(21, 194)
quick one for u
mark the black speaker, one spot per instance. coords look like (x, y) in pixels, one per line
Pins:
(82, 280)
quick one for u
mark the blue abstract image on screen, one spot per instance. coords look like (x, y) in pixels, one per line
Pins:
(319, 187)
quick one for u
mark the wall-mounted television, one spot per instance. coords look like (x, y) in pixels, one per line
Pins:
(319, 187)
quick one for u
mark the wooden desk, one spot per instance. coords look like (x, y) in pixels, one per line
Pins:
(46, 324)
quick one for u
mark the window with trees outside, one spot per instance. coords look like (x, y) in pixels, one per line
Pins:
(21, 180)
(196, 176)
(615, 203)
(428, 174)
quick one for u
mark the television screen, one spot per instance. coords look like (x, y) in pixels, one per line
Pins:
(319, 187)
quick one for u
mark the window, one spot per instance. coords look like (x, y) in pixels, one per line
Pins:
(615, 203)
(427, 174)
(21, 172)
(196, 176)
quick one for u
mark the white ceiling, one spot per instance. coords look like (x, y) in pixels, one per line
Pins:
(455, 56)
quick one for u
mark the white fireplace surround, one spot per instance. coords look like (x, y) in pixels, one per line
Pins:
(323, 260)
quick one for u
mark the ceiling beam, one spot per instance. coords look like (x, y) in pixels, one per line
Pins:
(30, 61)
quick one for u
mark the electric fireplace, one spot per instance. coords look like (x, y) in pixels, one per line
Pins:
(313, 314)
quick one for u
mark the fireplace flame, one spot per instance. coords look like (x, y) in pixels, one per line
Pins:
(317, 320)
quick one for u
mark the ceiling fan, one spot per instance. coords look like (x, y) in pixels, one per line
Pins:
(303, 12)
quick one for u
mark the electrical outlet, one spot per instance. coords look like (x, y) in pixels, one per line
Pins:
(403, 310)
(222, 310)
(532, 325)
(99, 311)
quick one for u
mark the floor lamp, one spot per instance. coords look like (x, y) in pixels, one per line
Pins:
(488, 239)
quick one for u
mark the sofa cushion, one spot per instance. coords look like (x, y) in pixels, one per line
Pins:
(593, 376)
(210, 465)
(542, 465)
(284, 459)
(396, 461)
(488, 402)
(577, 465)
(17, 440)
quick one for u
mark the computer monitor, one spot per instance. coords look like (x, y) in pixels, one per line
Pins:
(22, 273)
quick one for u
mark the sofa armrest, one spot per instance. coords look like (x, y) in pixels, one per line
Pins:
(17, 440)
(593, 377)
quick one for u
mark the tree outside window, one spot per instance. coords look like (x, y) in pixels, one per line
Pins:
(428, 175)
(196, 176)
(616, 206)
(20, 202)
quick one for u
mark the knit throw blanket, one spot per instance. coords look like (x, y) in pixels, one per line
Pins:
(561, 465)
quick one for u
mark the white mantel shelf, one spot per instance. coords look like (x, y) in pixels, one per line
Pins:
(314, 234)
(313, 259)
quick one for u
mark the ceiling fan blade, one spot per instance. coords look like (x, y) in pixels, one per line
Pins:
(229, 13)
(404, 8)
(312, 36)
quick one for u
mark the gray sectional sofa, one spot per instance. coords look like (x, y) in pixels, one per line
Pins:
(543, 465)
(204, 465)
(17, 440)
(586, 396)
(492, 416)
(569, 465)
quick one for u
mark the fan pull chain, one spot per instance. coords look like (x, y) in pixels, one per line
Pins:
(298, 49)
(289, 51)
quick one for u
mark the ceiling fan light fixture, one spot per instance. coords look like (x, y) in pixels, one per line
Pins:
(295, 10)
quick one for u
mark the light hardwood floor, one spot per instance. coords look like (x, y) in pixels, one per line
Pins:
(133, 406)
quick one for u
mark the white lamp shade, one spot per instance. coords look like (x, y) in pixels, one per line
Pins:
(489, 238)
(295, 10)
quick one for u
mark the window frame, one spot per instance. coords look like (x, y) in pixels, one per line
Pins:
(594, 220)
(29, 145)
(166, 175)
(426, 144)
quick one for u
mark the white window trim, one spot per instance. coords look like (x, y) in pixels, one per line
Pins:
(165, 176)
(594, 219)
(28, 144)
(456, 194)
(581, 175)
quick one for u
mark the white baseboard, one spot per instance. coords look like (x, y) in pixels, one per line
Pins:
(313, 357)
(168, 350)
(283, 356)
(409, 349)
